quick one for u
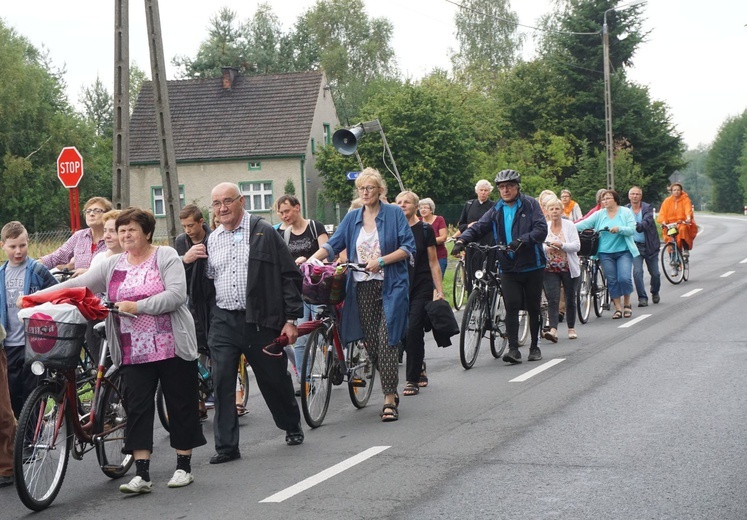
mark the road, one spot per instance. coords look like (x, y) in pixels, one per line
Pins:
(637, 419)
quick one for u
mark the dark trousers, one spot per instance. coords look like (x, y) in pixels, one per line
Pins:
(552, 284)
(473, 260)
(229, 337)
(7, 421)
(21, 382)
(415, 339)
(522, 290)
(178, 379)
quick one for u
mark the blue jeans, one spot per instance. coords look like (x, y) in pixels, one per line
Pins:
(443, 262)
(618, 269)
(652, 264)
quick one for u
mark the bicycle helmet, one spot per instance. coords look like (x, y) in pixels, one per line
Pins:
(507, 176)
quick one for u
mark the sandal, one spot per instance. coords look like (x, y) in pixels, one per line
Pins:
(550, 335)
(423, 381)
(411, 389)
(389, 413)
(628, 312)
(617, 315)
(241, 410)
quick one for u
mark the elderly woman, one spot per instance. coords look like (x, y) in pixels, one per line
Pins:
(678, 208)
(157, 345)
(561, 248)
(599, 205)
(427, 210)
(85, 244)
(111, 238)
(473, 210)
(571, 209)
(379, 236)
(616, 249)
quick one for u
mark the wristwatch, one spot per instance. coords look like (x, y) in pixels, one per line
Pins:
(291, 321)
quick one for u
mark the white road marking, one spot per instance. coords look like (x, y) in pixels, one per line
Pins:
(324, 475)
(634, 321)
(688, 294)
(727, 273)
(743, 261)
(537, 370)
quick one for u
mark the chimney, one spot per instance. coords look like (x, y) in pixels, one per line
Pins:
(229, 74)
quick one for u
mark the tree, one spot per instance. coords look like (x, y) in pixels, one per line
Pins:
(725, 164)
(264, 34)
(488, 40)
(290, 188)
(137, 78)
(98, 107)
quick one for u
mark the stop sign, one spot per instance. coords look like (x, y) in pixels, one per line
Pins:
(70, 167)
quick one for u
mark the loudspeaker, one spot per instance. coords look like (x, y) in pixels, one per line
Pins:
(346, 141)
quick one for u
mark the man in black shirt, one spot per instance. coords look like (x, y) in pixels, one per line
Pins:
(471, 213)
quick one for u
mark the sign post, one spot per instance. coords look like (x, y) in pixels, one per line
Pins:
(70, 172)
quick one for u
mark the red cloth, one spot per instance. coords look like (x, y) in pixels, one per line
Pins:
(87, 303)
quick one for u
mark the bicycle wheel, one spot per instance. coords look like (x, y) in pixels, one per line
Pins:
(243, 381)
(671, 263)
(473, 325)
(316, 383)
(583, 296)
(460, 281)
(523, 327)
(163, 414)
(362, 374)
(109, 429)
(498, 333)
(601, 295)
(685, 267)
(41, 448)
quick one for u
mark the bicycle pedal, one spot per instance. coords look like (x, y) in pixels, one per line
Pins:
(358, 382)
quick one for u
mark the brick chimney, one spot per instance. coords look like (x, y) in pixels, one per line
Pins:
(229, 74)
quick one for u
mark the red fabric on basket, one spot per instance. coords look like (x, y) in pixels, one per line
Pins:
(87, 303)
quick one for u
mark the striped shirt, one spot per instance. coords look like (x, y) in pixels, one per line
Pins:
(228, 264)
(79, 246)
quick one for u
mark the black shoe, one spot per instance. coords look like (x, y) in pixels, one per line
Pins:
(656, 298)
(643, 303)
(561, 317)
(6, 481)
(220, 458)
(535, 354)
(294, 437)
(513, 356)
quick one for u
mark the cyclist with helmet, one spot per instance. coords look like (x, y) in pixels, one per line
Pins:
(517, 221)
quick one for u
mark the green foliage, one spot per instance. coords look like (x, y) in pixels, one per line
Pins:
(289, 188)
(98, 107)
(137, 78)
(726, 163)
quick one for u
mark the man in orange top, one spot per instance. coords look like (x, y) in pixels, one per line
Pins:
(675, 208)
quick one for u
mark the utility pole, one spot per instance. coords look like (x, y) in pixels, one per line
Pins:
(121, 145)
(609, 141)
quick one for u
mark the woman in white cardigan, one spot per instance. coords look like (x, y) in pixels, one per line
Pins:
(561, 248)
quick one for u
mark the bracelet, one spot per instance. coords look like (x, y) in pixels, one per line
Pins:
(381, 262)
(291, 321)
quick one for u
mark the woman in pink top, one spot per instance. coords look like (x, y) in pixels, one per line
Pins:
(427, 208)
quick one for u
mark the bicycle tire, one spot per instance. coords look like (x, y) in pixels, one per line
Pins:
(316, 383)
(473, 324)
(361, 369)
(523, 327)
(163, 414)
(243, 381)
(460, 287)
(41, 451)
(498, 333)
(685, 268)
(583, 296)
(600, 293)
(671, 263)
(109, 429)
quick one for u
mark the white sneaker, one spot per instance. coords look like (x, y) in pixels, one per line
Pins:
(180, 479)
(137, 486)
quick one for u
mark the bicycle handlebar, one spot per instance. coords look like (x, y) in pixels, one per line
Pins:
(111, 308)
(485, 248)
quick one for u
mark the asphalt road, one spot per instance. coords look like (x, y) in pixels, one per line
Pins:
(637, 419)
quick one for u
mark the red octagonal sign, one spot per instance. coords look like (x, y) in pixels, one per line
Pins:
(70, 167)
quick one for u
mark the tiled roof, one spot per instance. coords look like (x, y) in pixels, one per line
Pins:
(261, 116)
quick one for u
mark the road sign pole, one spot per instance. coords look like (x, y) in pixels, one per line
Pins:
(74, 210)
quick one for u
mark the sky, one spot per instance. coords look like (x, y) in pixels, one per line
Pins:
(692, 61)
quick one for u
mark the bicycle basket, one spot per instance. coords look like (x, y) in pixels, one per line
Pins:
(323, 285)
(672, 231)
(589, 242)
(54, 335)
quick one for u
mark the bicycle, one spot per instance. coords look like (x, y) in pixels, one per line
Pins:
(459, 287)
(484, 312)
(55, 422)
(205, 389)
(326, 363)
(592, 284)
(674, 262)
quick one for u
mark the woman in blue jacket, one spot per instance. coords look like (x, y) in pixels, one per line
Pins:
(379, 236)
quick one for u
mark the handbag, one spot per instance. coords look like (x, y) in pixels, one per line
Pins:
(589, 242)
(323, 285)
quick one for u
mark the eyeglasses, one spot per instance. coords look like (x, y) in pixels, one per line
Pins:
(94, 211)
(366, 188)
(225, 202)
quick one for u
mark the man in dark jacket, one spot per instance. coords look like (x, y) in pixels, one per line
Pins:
(516, 221)
(257, 298)
(646, 237)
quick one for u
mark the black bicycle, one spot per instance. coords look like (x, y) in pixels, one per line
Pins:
(592, 284)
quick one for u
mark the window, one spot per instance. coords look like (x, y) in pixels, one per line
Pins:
(159, 203)
(256, 165)
(257, 195)
(313, 145)
(327, 136)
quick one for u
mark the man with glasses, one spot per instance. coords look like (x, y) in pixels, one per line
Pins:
(257, 298)
(473, 210)
(646, 237)
(517, 221)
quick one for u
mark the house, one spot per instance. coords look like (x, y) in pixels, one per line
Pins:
(258, 131)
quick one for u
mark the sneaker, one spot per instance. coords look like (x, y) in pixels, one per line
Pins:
(180, 479)
(535, 354)
(643, 303)
(655, 297)
(513, 356)
(137, 486)
(210, 402)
